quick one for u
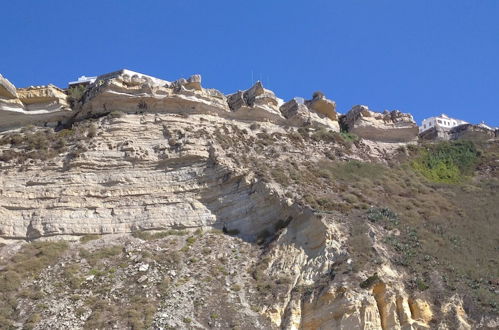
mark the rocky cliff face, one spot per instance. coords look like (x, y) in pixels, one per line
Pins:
(131, 92)
(389, 126)
(142, 172)
(32, 105)
(192, 209)
(461, 132)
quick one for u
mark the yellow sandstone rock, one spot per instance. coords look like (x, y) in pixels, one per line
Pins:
(421, 310)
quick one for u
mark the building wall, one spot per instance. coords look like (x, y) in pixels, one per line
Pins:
(441, 121)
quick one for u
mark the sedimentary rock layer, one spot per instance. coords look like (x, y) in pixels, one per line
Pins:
(141, 173)
(32, 105)
(466, 131)
(131, 92)
(389, 126)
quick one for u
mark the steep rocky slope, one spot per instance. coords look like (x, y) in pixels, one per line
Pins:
(235, 216)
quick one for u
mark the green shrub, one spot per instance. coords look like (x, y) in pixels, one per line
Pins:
(350, 198)
(370, 281)
(93, 257)
(351, 170)
(87, 238)
(263, 236)
(232, 232)
(350, 137)
(254, 126)
(32, 320)
(75, 94)
(92, 131)
(279, 175)
(9, 281)
(116, 114)
(447, 162)
(148, 236)
(325, 135)
(379, 214)
(421, 284)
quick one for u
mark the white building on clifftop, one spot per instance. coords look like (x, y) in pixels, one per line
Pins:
(83, 81)
(442, 121)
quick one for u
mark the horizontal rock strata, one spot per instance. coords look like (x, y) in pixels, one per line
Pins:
(142, 172)
(389, 126)
(466, 131)
(32, 105)
(132, 92)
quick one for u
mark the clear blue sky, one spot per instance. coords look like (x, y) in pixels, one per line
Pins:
(420, 56)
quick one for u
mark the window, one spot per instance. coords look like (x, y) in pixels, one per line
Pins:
(439, 121)
(424, 125)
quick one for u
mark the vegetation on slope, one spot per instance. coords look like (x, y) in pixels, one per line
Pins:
(23, 266)
(193, 277)
(440, 223)
(447, 162)
(435, 204)
(436, 210)
(31, 143)
(75, 94)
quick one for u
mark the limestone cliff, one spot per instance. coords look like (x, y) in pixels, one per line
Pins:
(388, 126)
(132, 92)
(191, 209)
(32, 105)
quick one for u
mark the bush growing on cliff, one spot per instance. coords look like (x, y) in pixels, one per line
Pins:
(44, 144)
(447, 162)
(116, 114)
(324, 135)
(386, 217)
(75, 94)
(370, 281)
(349, 137)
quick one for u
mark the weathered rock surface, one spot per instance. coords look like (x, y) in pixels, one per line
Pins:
(389, 126)
(143, 173)
(256, 103)
(177, 156)
(169, 171)
(320, 104)
(435, 134)
(132, 92)
(126, 91)
(42, 94)
(299, 114)
(32, 105)
(466, 131)
(7, 90)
